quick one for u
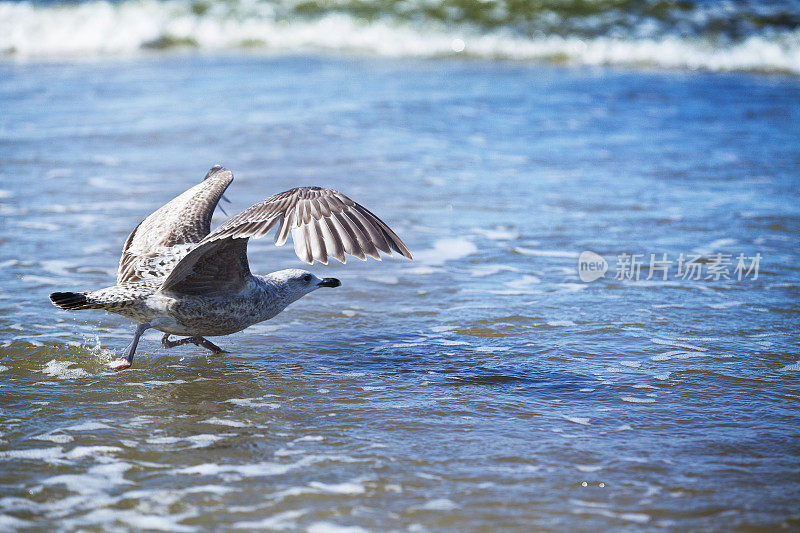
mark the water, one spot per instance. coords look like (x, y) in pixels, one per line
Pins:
(729, 35)
(482, 387)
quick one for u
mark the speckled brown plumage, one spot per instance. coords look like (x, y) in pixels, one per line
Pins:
(177, 277)
(159, 242)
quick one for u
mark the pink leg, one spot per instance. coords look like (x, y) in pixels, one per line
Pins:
(127, 361)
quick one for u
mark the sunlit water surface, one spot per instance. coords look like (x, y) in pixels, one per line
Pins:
(482, 387)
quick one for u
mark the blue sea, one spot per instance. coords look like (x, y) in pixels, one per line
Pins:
(497, 382)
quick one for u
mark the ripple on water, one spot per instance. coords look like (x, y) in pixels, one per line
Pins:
(397, 374)
(280, 521)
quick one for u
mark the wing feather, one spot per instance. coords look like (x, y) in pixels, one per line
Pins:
(164, 237)
(375, 231)
(363, 235)
(356, 237)
(358, 231)
(323, 223)
(333, 242)
(317, 240)
(286, 224)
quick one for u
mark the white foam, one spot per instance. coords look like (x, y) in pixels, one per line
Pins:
(398, 345)
(87, 426)
(122, 28)
(498, 234)
(632, 399)
(12, 523)
(253, 402)
(561, 323)
(57, 267)
(263, 469)
(490, 270)
(96, 480)
(445, 250)
(280, 522)
(447, 342)
(159, 383)
(573, 287)
(86, 451)
(678, 344)
(58, 438)
(197, 441)
(63, 370)
(576, 420)
(310, 438)
(677, 354)
(225, 422)
(163, 440)
(639, 518)
(714, 246)
(338, 488)
(440, 504)
(795, 367)
(328, 527)
(545, 253)
(203, 441)
(35, 454)
(525, 282)
(423, 270)
(724, 305)
(386, 280)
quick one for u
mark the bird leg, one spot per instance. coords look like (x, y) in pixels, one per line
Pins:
(207, 344)
(166, 343)
(199, 341)
(127, 361)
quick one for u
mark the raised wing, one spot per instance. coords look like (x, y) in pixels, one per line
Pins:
(167, 235)
(323, 223)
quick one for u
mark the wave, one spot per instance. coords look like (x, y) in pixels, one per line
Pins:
(725, 36)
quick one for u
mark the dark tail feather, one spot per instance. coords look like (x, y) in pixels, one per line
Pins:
(72, 301)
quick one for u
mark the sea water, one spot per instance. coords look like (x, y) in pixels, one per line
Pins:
(483, 386)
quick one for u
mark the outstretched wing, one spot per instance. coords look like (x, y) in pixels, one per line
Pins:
(167, 235)
(323, 223)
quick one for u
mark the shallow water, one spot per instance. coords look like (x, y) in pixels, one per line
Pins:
(481, 387)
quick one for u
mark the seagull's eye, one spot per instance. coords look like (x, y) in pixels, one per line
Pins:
(307, 278)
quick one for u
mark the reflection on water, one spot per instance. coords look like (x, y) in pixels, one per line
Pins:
(482, 386)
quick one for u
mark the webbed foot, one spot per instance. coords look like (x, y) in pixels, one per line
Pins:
(198, 341)
(119, 364)
(208, 345)
(166, 343)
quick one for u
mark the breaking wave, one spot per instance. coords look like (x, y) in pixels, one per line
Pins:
(721, 36)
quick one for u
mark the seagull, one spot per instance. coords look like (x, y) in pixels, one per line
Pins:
(178, 277)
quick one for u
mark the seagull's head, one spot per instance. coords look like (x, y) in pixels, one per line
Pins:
(299, 282)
